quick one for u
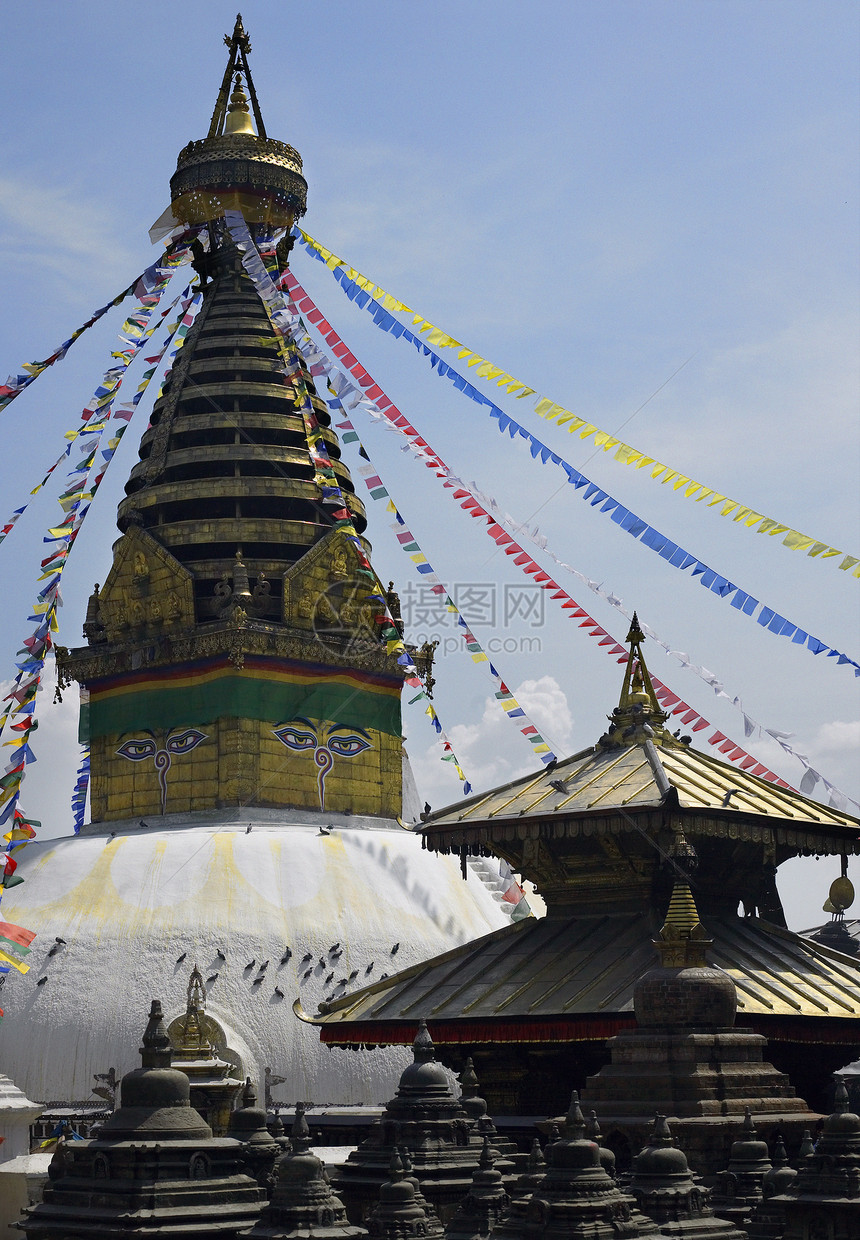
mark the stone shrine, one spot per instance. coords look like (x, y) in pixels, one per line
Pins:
(671, 1196)
(155, 1169)
(685, 1057)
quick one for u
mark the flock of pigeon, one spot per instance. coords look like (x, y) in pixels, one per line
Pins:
(327, 964)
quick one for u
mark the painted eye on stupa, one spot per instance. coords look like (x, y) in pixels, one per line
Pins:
(296, 738)
(182, 742)
(137, 750)
(348, 745)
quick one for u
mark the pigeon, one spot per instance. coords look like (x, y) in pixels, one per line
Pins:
(248, 829)
(325, 830)
(41, 981)
(279, 992)
(264, 966)
(368, 969)
(211, 979)
(307, 956)
(59, 940)
(258, 981)
(729, 794)
(334, 947)
(383, 976)
(559, 785)
(323, 963)
(306, 974)
(182, 957)
(353, 974)
(395, 949)
(221, 955)
(341, 981)
(329, 978)
(54, 950)
(250, 964)
(286, 956)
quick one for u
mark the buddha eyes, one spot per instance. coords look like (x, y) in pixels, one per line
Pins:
(348, 746)
(144, 747)
(136, 751)
(182, 742)
(344, 744)
(296, 738)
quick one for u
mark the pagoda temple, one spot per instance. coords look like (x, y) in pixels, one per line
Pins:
(604, 835)
(241, 698)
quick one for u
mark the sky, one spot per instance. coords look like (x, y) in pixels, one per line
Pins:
(647, 211)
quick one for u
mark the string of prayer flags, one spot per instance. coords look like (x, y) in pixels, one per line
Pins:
(142, 287)
(675, 555)
(75, 502)
(380, 409)
(79, 796)
(382, 306)
(411, 547)
(284, 322)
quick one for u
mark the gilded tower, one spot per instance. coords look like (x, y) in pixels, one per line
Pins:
(233, 655)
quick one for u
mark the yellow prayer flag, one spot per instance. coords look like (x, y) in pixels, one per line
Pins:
(626, 455)
(543, 407)
(797, 541)
(479, 658)
(605, 441)
(728, 508)
(830, 552)
(769, 526)
(849, 562)
(681, 480)
(588, 429)
(16, 964)
(489, 371)
(527, 391)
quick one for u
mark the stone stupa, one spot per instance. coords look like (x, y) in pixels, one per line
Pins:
(155, 1167)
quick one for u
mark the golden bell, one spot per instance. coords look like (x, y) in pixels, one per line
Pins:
(841, 893)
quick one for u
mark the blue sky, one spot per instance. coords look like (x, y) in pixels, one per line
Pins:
(589, 194)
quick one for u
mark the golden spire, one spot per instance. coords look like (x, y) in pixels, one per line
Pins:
(682, 939)
(237, 62)
(238, 113)
(637, 717)
(637, 689)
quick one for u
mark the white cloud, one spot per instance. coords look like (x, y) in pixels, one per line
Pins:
(488, 751)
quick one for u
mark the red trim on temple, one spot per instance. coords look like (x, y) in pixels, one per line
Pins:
(809, 1030)
(378, 1032)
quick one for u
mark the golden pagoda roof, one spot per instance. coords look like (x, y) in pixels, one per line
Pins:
(560, 969)
(639, 764)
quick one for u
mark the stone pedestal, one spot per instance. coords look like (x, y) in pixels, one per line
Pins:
(20, 1174)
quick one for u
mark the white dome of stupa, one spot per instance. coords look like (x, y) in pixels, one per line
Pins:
(137, 906)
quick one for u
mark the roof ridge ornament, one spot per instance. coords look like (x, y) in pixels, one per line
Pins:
(638, 717)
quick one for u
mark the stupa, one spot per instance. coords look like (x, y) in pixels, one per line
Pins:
(155, 1168)
(243, 711)
(675, 1199)
(303, 1205)
(483, 1205)
(426, 1116)
(534, 1003)
(824, 1198)
(686, 1058)
(575, 1197)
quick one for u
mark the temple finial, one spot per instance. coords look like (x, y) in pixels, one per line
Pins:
(637, 689)
(155, 1052)
(638, 717)
(238, 113)
(682, 939)
(232, 117)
